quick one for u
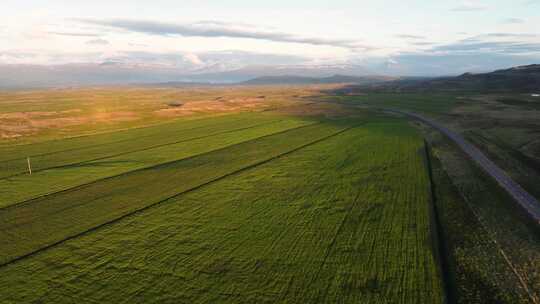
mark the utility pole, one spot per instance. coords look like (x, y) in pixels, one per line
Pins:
(29, 166)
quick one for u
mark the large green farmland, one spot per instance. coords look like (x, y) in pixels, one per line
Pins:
(286, 199)
(268, 209)
(209, 152)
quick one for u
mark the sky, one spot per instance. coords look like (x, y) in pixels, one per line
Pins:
(415, 37)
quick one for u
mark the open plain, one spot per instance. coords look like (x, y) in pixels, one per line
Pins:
(280, 194)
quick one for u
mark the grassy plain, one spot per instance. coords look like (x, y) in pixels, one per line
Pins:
(262, 194)
(331, 212)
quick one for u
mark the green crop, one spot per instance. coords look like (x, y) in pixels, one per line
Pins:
(337, 211)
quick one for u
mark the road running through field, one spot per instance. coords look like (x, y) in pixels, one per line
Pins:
(520, 195)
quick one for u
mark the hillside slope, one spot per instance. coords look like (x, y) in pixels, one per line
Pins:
(522, 79)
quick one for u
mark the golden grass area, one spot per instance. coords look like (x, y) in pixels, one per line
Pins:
(27, 116)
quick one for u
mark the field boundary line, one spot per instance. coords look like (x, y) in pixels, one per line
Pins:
(437, 230)
(145, 208)
(150, 167)
(134, 151)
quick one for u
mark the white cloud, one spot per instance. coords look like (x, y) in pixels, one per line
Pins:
(193, 59)
(217, 29)
(98, 42)
(278, 34)
(409, 36)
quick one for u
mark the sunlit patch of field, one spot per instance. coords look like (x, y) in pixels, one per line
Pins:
(28, 116)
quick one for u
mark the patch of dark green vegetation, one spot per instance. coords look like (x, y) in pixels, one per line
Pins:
(482, 227)
(419, 102)
(523, 168)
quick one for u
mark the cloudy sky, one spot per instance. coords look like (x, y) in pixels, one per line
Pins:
(413, 37)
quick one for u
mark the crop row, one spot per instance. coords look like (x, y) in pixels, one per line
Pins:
(24, 187)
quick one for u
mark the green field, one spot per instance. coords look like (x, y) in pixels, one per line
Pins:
(322, 200)
(82, 160)
(269, 209)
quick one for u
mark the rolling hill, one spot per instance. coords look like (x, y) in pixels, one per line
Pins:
(521, 79)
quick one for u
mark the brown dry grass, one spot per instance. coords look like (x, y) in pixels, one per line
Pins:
(46, 114)
(215, 106)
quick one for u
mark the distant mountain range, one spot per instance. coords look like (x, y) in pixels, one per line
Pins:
(524, 79)
(287, 79)
(518, 79)
(115, 73)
